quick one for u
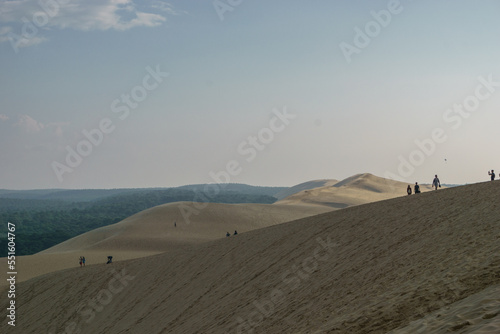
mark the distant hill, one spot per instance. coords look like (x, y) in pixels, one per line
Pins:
(236, 187)
(69, 195)
(87, 195)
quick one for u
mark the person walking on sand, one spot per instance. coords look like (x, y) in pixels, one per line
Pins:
(83, 260)
(436, 182)
(492, 174)
(408, 190)
(417, 188)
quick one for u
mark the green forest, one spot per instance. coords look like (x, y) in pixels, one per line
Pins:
(43, 223)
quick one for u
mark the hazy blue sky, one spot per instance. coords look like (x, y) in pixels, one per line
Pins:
(277, 92)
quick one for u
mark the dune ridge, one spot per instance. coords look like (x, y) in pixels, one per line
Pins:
(355, 190)
(369, 268)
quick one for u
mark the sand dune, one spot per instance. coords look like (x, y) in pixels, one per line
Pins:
(305, 186)
(152, 232)
(355, 190)
(366, 269)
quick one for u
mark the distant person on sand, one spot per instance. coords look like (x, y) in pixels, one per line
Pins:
(408, 190)
(227, 234)
(110, 259)
(175, 224)
(83, 260)
(417, 188)
(235, 232)
(436, 182)
(492, 174)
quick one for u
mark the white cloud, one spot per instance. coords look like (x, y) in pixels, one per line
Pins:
(166, 7)
(28, 124)
(82, 15)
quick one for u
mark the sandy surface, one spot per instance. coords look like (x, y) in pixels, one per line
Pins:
(366, 269)
(152, 232)
(305, 186)
(479, 313)
(355, 190)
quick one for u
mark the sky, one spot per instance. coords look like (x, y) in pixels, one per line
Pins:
(125, 94)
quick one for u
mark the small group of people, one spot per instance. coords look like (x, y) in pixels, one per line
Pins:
(110, 260)
(435, 183)
(417, 189)
(228, 234)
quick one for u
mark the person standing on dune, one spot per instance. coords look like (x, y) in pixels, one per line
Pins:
(436, 182)
(408, 190)
(417, 188)
(492, 174)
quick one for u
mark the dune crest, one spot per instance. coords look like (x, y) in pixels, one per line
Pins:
(354, 190)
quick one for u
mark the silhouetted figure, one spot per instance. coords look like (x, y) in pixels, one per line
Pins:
(227, 234)
(436, 182)
(235, 232)
(417, 188)
(408, 190)
(110, 259)
(492, 174)
(83, 260)
(175, 224)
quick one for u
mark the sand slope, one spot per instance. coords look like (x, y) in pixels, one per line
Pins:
(355, 190)
(478, 313)
(305, 186)
(152, 232)
(365, 269)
